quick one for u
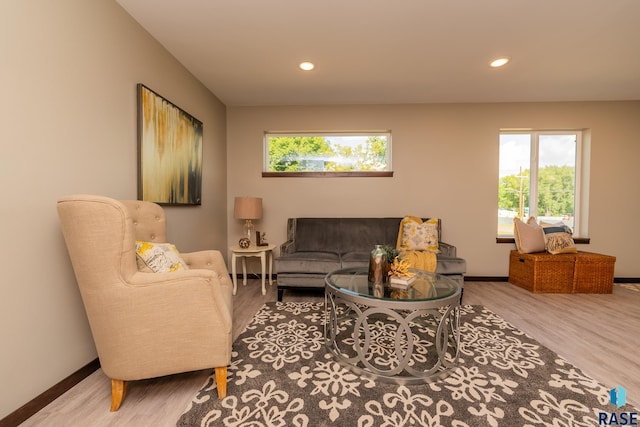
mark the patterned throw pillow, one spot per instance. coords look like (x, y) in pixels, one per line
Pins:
(159, 257)
(529, 236)
(420, 236)
(558, 239)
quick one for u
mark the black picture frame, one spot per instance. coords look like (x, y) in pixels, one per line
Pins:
(260, 240)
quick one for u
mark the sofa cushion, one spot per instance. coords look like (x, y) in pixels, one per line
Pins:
(301, 280)
(445, 264)
(308, 262)
(449, 265)
(355, 259)
(317, 235)
(360, 234)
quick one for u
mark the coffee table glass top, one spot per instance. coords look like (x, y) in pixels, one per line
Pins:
(428, 286)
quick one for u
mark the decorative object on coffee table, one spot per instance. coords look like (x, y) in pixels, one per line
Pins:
(399, 273)
(378, 265)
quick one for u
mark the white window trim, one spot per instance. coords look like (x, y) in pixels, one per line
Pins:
(581, 181)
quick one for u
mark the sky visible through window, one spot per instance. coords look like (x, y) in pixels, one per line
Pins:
(515, 152)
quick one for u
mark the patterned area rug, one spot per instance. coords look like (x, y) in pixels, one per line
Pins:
(630, 286)
(282, 375)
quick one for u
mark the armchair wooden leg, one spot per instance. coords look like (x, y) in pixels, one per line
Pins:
(118, 391)
(221, 381)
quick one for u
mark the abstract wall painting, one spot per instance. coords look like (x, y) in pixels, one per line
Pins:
(169, 152)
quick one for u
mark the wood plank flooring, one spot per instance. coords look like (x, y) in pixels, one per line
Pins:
(597, 333)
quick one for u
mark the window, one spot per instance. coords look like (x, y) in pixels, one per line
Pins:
(327, 154)
(540, 175)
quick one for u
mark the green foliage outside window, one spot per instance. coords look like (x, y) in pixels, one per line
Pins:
(556, 189)
(299, 153)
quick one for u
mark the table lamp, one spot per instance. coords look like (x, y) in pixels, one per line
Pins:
(248, 208)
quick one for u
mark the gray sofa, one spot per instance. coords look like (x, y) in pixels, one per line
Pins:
(318, 246)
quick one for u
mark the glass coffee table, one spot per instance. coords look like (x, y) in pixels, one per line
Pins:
(406, 335)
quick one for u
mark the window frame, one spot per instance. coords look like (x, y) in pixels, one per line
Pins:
(388, 172)
(579, 227)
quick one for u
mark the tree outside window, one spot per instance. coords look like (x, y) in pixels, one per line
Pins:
(339, 152)
(539, 176)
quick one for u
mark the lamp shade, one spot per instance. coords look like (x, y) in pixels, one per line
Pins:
(247, 208)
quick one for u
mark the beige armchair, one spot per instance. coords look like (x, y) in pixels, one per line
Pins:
(145, 325)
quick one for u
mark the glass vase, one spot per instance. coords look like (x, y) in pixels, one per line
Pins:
(378, 266)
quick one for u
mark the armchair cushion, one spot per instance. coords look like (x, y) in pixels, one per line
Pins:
(159, 257)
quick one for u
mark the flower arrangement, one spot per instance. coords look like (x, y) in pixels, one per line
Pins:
(400, 268)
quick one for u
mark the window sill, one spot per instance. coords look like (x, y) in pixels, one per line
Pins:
(577, 240)
(327, 174)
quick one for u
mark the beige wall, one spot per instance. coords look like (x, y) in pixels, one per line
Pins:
(68, 118)
(445, 161)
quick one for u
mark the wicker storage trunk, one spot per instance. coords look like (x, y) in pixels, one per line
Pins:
(593, 273)
(583, 272)
(542, 272)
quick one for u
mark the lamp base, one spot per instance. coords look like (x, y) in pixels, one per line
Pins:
(249, 232)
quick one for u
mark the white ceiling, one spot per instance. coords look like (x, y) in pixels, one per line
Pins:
(401, 51)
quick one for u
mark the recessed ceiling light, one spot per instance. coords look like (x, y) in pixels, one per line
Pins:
(499, 62)
(306, 66)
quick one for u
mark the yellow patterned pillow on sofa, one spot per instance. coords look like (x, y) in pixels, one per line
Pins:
(418, 235)
(159, 257)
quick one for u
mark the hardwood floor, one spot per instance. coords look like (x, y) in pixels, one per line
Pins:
(597, 333)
